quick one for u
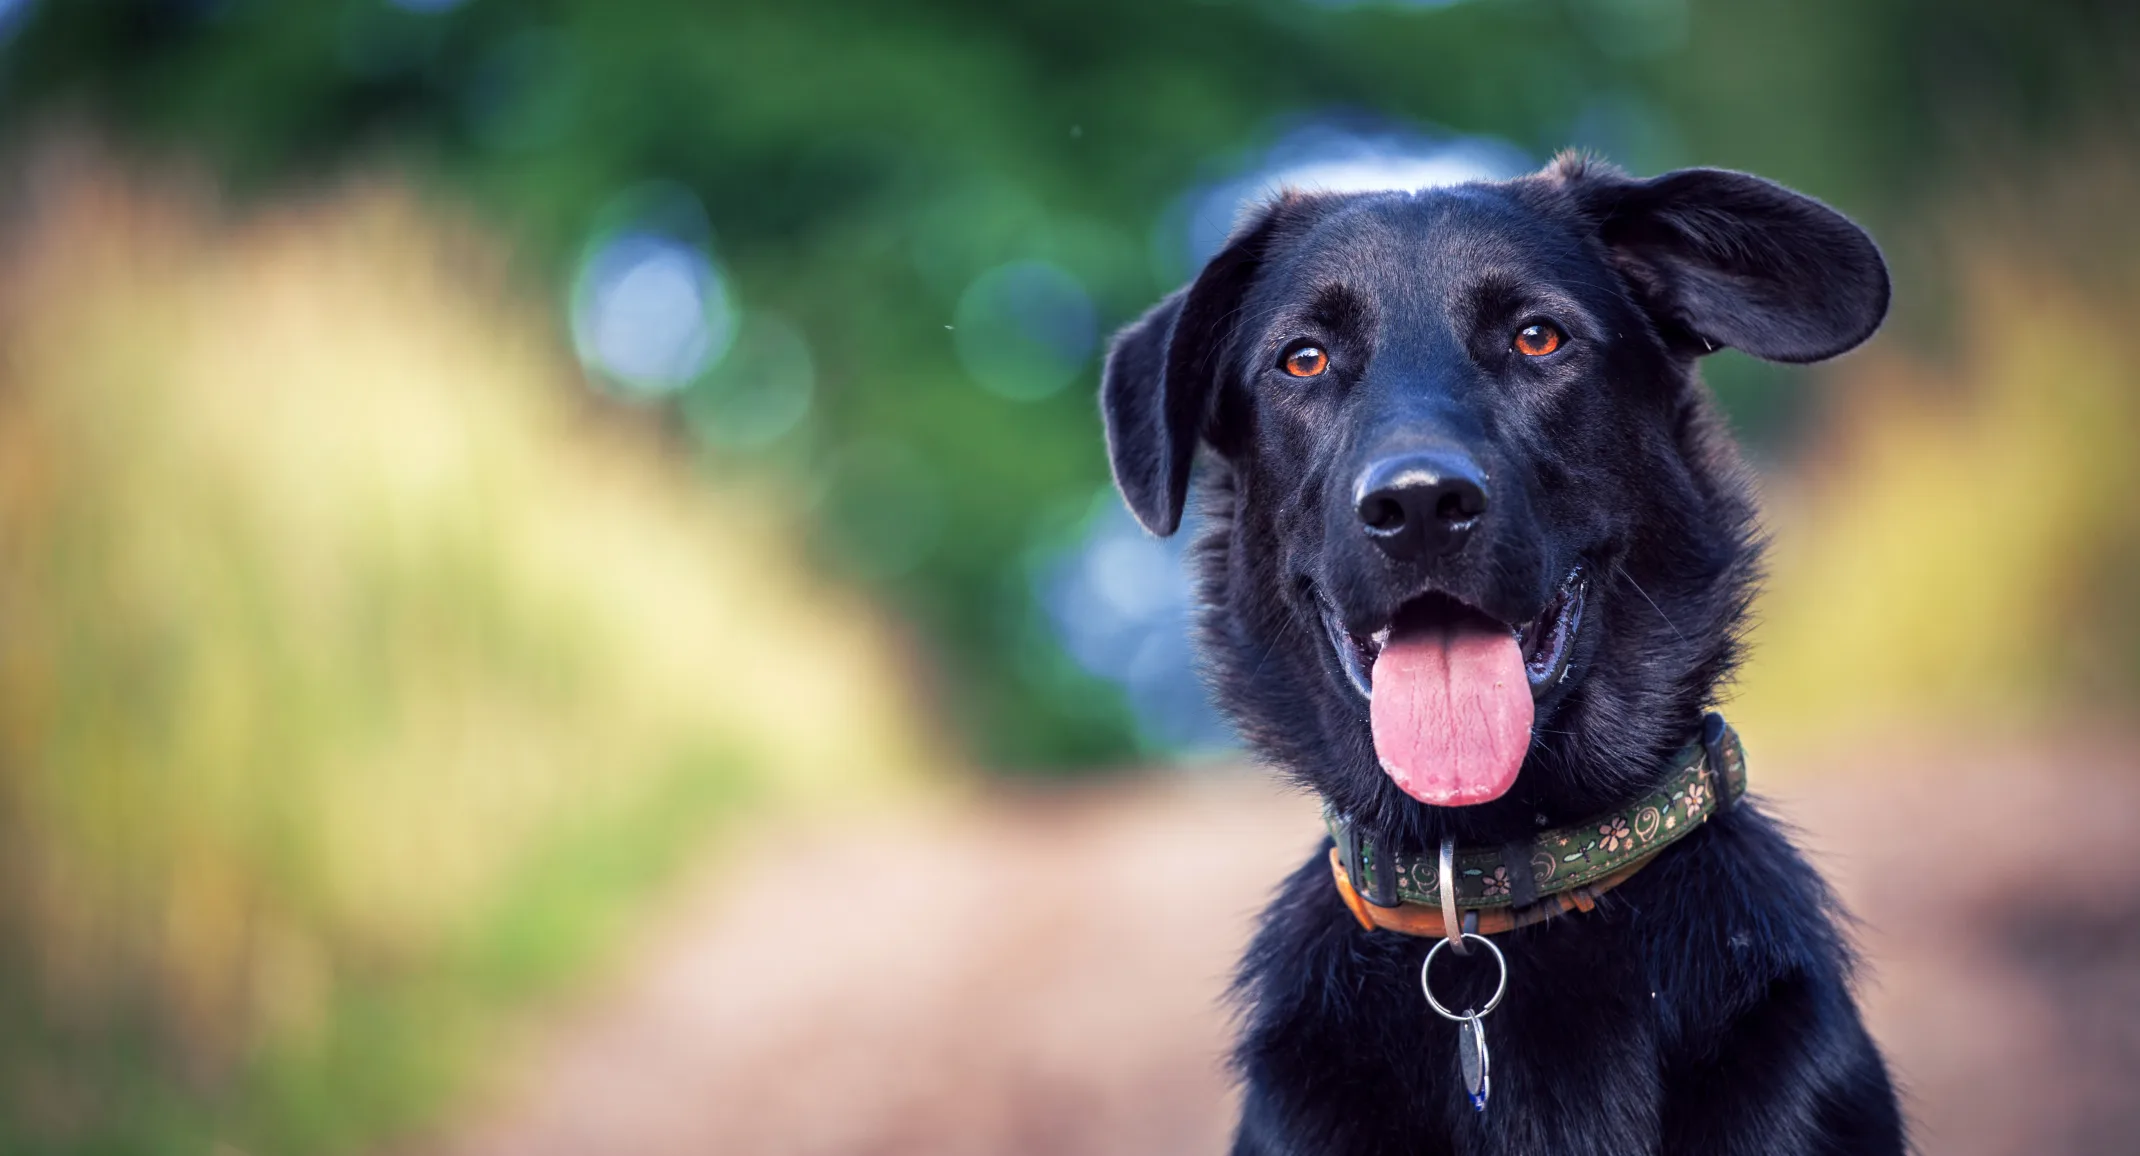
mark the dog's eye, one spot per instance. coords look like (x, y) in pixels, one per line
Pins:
(1307, 361)
(1538, 339)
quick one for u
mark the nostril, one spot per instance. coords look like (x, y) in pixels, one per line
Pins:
(1452, 507)
(1379, 512)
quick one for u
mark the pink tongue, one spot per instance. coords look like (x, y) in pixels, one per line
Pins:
(1451, 711)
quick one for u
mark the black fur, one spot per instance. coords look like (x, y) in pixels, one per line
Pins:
(1705, 1006)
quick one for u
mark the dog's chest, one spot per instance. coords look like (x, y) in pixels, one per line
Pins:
(1574, 1048)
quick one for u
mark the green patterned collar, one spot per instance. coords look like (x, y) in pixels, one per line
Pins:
(1708, 776)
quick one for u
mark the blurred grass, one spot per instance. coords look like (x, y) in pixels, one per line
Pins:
(356, 675)
(1957, 549)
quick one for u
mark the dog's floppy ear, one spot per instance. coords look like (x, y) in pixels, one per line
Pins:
(1162, 376)
(1735, 260)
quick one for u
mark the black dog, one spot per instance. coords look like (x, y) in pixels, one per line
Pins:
(1477, 556)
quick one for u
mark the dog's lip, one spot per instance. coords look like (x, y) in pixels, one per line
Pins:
(1356, 654)
(1547, 640)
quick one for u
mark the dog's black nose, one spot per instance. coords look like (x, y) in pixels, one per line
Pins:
(1421, 505)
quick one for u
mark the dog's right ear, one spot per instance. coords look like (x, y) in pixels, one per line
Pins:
(1162, 376)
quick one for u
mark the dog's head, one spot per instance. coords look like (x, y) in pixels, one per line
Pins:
(1476, 538)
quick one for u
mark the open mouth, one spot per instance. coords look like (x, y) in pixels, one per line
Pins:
(1452, 691)
(1546, 642)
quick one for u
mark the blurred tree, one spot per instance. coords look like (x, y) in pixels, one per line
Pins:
(861, 163)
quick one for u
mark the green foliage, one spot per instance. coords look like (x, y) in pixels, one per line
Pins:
(863, 161)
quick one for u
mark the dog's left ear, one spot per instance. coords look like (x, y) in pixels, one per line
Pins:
(1735, 260)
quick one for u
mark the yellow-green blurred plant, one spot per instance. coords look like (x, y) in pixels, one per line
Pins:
(1960, 546)
(355, 670)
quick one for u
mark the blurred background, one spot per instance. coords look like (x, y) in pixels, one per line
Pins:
(558, 589)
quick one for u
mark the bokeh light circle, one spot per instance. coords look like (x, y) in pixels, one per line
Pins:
(760, 389)
(650, 312)
(1121, 606)
(1025, 330)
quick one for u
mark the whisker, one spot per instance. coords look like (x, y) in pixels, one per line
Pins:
(1622, 568)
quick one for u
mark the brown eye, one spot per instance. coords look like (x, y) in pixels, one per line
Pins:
(1307, 361)
(1538, 339)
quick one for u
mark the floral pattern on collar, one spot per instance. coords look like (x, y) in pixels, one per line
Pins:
(1568, 857)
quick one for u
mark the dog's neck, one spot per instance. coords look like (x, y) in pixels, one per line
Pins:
(1707, 777)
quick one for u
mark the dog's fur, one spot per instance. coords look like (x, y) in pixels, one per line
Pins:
(1704, 1006)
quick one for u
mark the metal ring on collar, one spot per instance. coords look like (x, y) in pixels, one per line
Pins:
(1500, 986)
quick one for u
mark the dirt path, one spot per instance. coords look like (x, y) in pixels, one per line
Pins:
(896, 990)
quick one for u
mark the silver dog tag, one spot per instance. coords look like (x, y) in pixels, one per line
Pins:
(1471, 1058)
